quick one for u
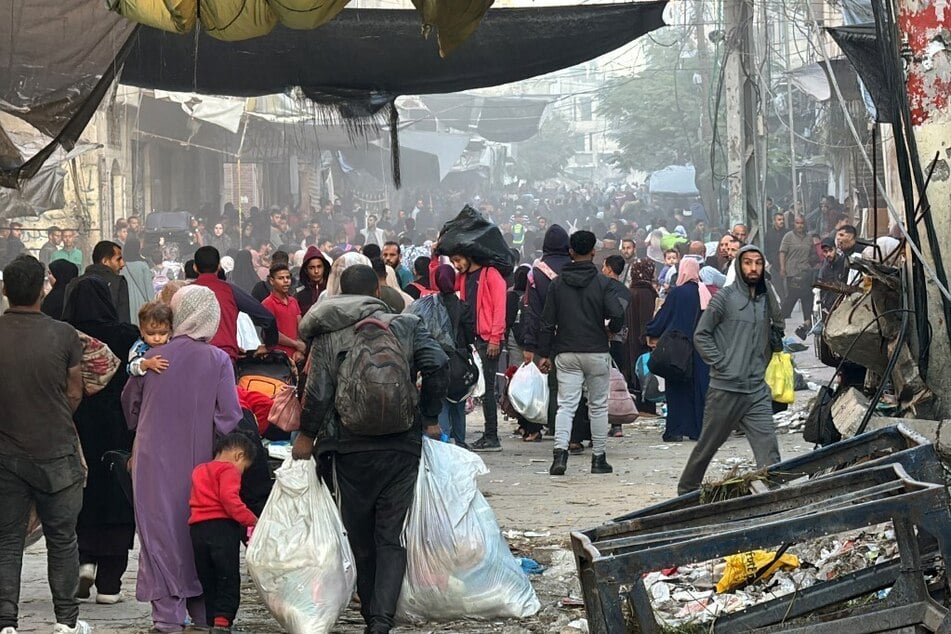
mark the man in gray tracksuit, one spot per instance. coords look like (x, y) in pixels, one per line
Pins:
(733, 338)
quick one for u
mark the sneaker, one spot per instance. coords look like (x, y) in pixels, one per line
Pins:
(559, 463)
(108, 599)
(81, 627)
(487, 443)
(87, 578)
(8, 630)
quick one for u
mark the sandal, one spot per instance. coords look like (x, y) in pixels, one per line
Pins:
(532, 437)
(575, 448)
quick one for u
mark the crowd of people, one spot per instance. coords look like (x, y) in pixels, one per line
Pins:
(600, 279)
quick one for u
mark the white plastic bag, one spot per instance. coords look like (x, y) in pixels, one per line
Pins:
(528, 393)
(458, 565)
(248, 339)
(299, 556)
(479, 390)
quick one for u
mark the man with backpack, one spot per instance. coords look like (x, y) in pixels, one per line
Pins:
(579, 303)
(555, 257)
(361, 406)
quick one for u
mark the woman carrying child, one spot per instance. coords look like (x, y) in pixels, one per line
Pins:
(175, 415)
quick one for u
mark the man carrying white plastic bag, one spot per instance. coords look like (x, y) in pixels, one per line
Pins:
(459, 565)
(361, 406)
(299, 556)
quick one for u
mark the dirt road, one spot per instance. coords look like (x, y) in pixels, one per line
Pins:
(525, 499)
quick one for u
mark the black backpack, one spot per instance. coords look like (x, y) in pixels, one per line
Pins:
(376, 394)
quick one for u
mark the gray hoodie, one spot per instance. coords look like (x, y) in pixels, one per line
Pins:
(733, 335)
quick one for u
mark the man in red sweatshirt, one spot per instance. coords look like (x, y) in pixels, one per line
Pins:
(232, 300)
(218, 522)
(484, 290)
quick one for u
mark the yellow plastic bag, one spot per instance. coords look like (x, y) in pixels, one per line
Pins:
(743, 567)
(781, 378)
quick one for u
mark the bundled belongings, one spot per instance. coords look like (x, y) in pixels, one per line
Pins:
(458, 565)
(299, 556)
(472, 235)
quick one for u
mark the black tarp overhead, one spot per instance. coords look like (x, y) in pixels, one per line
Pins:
(57, 61)
(860, 44)
(375, 55)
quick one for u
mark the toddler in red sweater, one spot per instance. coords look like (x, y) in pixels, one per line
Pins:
(219, 520)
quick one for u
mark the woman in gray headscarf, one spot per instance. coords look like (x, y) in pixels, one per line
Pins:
(176, 415)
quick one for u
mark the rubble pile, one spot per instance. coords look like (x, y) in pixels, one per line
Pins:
(686, 595)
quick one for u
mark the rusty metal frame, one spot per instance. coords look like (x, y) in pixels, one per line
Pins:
(618, 554)
(888, 445)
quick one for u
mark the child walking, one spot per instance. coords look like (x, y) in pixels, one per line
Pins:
(155, 329)
(219, 520)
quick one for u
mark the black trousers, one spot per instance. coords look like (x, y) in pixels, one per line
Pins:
(217, 545)
(490, 405)
(376, 489)
(805, 297)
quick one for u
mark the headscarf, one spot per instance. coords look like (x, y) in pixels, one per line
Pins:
(642, 270)
(64, 271)
(195, 312)
(340, 265)
(227, 264)
(689, 271)
(91, 306)
(446, 278)
(92, 311)
(131, 251)
(244, 276)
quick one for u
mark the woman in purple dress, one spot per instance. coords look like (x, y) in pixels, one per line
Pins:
(176, 415)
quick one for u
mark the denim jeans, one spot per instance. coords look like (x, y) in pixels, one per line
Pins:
(20, 489)
(452, 420)
(577, 370)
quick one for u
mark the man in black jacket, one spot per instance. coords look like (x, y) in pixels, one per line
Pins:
(107, 262)
(376, 475)
(579, 303)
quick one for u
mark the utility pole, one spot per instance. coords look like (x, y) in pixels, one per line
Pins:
(708, 194)
(739, 80)
(789, 112)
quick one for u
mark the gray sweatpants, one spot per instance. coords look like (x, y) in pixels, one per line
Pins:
(724, 412)
(577, 370)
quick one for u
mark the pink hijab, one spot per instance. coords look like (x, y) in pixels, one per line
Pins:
(689, 271)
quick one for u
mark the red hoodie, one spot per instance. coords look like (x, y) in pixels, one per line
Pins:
(490, 301)
(215, 494)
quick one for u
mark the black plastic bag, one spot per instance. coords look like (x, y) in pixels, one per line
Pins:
(819, 427)
(472, 235)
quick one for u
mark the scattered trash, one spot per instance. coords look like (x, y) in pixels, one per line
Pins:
(580, 624)
(571, 602)
(530, 566)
